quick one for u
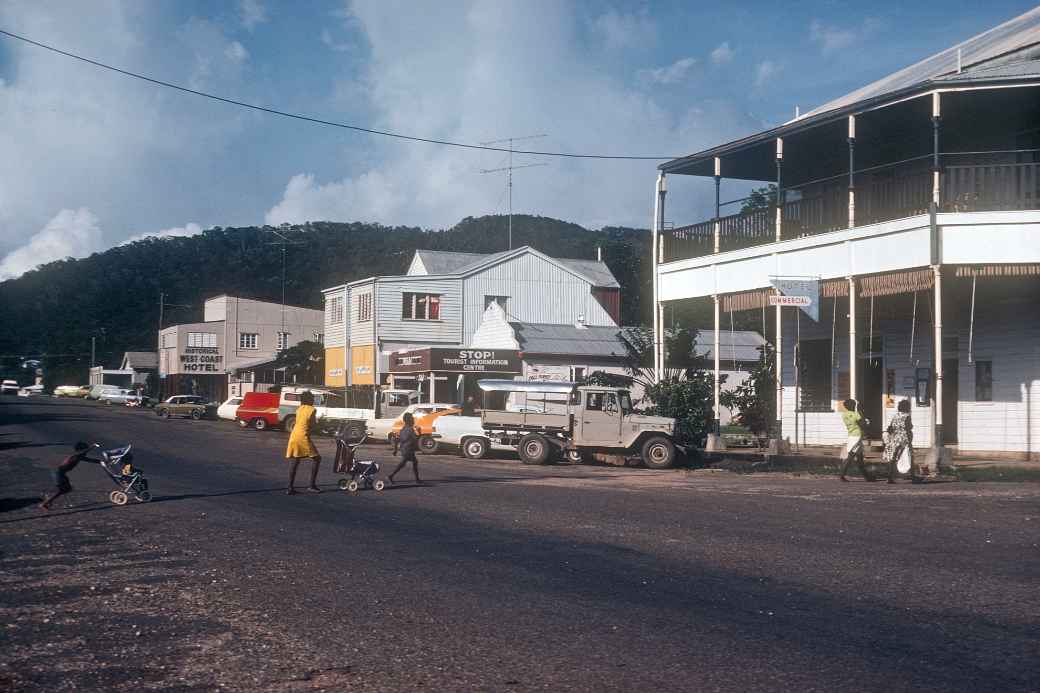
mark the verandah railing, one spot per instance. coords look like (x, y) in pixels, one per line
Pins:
(883, 195)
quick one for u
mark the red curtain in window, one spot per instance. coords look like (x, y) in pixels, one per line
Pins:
(435, 307)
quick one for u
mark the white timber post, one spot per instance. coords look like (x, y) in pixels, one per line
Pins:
(779, 193)
(852, 171)
(852, 338)
(718, 205)
(660, 190)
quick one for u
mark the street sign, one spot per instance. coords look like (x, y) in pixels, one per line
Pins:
(799, 292)
(799, 301)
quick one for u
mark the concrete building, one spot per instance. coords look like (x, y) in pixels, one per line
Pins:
(441, 300)
(912, 206)
(235, 334)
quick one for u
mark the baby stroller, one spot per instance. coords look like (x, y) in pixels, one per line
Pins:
(362, 472)
(118, 464)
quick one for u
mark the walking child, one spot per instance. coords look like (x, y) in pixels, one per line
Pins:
(60, 474)
(854, 423)
(409, 444)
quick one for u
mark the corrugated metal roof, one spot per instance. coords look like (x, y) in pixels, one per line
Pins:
(568, 340)
(443, 262)
(1011, 36)
(142, 359)
(1016, 70)
(740, 345)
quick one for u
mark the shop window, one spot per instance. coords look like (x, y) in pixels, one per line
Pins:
(814, 375)
(334, 307)
(248, 340)
(983, 381)
(201, 339)
(578, 374)
(421, 306)
(502, 301)
(283, 340)
(364, 307)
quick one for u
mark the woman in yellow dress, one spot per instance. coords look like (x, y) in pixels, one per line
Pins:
(301, 445)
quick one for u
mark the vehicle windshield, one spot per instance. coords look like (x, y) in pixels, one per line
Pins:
(397, 399)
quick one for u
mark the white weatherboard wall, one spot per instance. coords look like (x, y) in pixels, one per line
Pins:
(1009, 336)
(393, 328)
(538, 291)
(335, 333)
(361, 332)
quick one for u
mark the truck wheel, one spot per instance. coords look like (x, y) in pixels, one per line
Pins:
(474, 448)
(428, 444)
(260, 424)
(535, 449)
(289, 424)
(658, 453)
(196, 414)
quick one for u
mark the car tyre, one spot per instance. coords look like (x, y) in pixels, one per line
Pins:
(474, 448)
(289, 423)
(260, 424)
(165, 413)
(428, 444)
(658, 452)
(535, 449)
(196, 414)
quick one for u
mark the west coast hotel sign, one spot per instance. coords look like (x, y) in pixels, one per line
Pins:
(201, 360)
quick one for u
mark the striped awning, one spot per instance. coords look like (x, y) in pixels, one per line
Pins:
(746, 300)
(998, 271)
(892, 283)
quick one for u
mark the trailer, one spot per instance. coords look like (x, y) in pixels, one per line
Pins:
(546, 420)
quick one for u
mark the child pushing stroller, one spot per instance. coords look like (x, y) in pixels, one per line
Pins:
(362, 472)
(117, 463)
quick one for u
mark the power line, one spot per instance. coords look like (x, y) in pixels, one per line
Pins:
(320, 121)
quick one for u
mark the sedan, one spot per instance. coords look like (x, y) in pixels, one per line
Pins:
(184, 405)
(119, 396)
(229, 409)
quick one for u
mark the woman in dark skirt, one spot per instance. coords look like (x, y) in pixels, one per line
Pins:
(408, 442)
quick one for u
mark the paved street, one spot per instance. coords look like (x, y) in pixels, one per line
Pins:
(497, 576)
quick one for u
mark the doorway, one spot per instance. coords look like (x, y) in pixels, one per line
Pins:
(870, 388)
(950, 397)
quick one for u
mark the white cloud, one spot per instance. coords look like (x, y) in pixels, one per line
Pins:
(765, 71)
(251, 12)
(832, 39)
(333, 44)
(622, 30)
(71, 233)
(722, 54)
(189, 229)
(520, 72)
(669, 74)
(236, 52)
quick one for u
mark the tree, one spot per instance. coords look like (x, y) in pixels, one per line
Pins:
(304, 362)
(759, 198)
(755, 398)
(685, 392)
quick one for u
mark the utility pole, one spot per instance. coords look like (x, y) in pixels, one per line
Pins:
(283, 242)
(509, 174)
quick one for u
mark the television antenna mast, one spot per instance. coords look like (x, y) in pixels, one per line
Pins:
(283, 242)
(509, 175)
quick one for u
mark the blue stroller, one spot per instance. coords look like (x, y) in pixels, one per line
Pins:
(362, 472)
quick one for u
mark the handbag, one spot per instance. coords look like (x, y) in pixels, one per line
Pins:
(904, 461)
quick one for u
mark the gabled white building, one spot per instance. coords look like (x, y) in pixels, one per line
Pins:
(915, 204)
(441, 300)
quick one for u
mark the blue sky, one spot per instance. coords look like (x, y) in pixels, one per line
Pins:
(89, 159)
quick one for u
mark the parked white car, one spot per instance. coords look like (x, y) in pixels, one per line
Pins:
(30, 390)
(228, 409)
(9, 387)
(380, 429)
(467, 434)
(120, 396)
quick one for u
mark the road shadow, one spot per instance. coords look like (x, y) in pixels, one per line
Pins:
(15, 444)
(9, 504)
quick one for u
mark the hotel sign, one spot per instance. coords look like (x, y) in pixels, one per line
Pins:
(201, 360)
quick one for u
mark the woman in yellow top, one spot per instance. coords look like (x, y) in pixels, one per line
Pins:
(301, 445)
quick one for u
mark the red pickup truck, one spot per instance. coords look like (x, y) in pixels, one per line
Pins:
(259, 410)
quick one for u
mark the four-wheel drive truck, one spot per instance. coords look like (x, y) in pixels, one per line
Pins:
(582, 422)
(333, 415)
